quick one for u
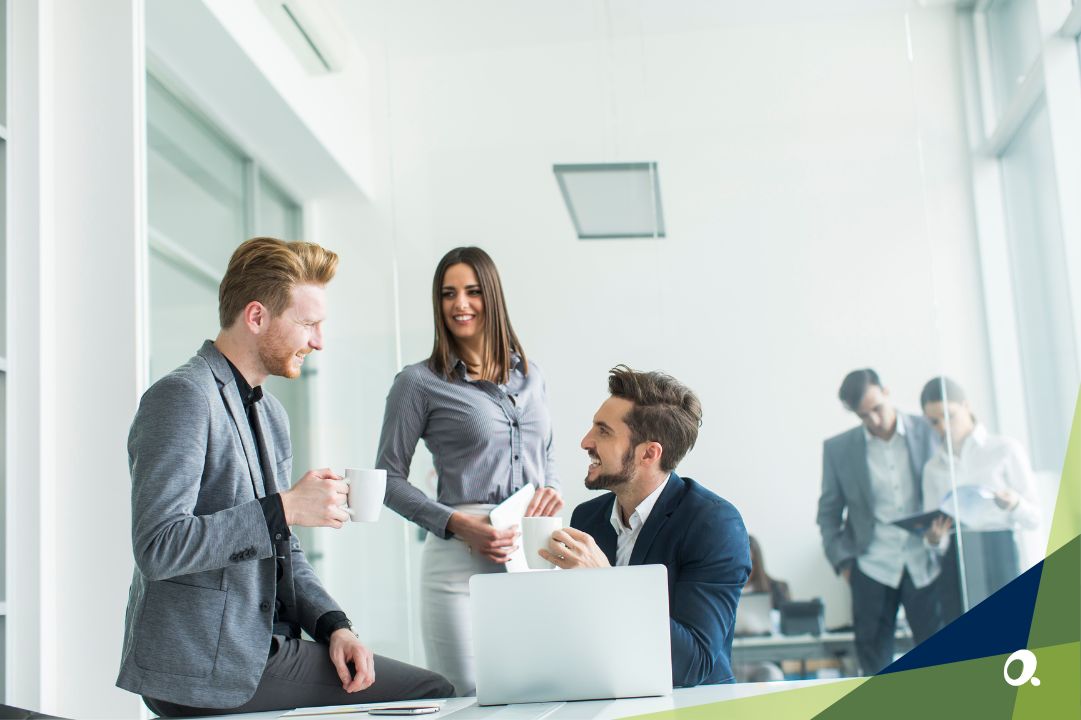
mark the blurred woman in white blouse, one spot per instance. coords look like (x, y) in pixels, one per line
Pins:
(995, 478)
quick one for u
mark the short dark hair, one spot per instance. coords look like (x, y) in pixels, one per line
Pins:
(933, 391)
(855, 385)
(665, 411)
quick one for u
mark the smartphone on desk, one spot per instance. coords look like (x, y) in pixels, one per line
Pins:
(405, 710)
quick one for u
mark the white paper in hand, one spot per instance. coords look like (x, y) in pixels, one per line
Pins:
(508, 513)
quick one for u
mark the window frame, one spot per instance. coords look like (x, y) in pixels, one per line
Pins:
(1053, 78)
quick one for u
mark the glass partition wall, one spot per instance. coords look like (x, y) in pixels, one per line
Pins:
(842, 187)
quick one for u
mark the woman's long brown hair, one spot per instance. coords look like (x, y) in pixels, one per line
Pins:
(759, 580)
(499, 338)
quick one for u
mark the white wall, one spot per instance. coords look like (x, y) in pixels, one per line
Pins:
(803, 238)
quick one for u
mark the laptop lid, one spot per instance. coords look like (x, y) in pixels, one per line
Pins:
(753, 614)
(571, 634)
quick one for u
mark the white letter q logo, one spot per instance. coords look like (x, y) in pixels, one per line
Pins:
(1028, 669)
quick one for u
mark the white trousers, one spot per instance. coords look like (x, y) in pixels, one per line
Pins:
(445, 621)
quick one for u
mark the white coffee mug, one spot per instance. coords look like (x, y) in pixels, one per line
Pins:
(536, 531)
(367, 489)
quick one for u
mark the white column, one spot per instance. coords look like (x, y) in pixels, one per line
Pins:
(25, 529)
(77, 357)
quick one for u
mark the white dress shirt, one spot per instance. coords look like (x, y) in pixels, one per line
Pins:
(994, 461)
(627, 535)
(894, 495)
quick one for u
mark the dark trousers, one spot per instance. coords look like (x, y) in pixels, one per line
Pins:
(299, 673)
(874, 616)
(992, 560)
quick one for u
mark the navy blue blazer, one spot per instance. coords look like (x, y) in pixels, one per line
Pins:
(700, 538)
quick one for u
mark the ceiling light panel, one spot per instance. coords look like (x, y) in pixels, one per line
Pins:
(612, 200)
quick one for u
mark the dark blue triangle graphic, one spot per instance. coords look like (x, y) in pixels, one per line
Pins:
(997, 626)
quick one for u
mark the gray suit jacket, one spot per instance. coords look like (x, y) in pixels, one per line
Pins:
(198, 624)
(846, 485)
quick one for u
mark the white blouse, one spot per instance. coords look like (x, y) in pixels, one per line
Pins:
(993, 461)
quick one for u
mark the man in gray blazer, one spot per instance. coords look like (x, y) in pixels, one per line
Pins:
(871, 475)
(221, 588)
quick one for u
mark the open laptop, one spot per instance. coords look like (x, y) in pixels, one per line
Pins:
(571, 634)
(753, 614)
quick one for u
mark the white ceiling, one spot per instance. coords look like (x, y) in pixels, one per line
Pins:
(442, 26)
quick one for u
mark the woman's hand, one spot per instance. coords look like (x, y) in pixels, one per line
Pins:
(545, 503)
(483, 539)
(940, 526)
(1007, 499)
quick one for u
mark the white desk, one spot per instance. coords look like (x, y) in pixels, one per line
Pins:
(467, 709)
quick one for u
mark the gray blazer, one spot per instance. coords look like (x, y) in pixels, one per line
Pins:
(846, 484)
(198, 624)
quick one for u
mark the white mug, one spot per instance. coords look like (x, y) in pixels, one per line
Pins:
(536, 531)
(366, 491)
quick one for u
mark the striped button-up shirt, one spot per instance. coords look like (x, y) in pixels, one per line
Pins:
(487, 440)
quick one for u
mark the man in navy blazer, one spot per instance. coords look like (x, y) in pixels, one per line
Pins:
(652, 516)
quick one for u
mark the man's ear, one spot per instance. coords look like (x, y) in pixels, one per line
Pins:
(651, 453)
(256, 317)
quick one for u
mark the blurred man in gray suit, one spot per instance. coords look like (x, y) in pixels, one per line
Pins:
(871, 476)
(221, 589)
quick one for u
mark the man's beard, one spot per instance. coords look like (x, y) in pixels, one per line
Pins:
(277, 357)
(614, 480)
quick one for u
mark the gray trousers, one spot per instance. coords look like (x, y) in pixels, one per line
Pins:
(299, 673)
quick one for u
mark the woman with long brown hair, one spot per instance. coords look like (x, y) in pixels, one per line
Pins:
(761, 581)
(482, 410)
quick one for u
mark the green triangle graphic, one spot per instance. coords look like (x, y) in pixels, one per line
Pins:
(1056, 619)
(795, 704)
(1066, 523)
